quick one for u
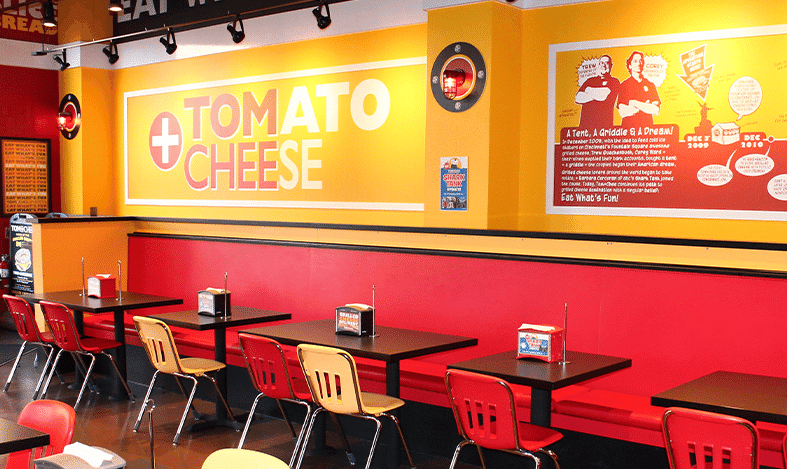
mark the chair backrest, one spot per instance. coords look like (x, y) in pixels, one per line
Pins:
(715, 440)
(332, 377)
(267, 366)
(24, 318)
(61, 323)
(53, 417)
(484, 409)
(242, 458)
(159, 344)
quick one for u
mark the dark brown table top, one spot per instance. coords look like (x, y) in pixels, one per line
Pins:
(15, 437)
(752, 397)
(535, 373)
(390, 344)
(74, 300)
(241, 316)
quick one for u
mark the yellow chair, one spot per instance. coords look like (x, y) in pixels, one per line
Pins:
(163, 354)
(242, 458)
(333, 380)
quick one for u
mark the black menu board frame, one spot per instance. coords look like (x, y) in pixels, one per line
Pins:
(26, 175)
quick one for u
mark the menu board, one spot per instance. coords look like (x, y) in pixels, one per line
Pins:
(26, 176)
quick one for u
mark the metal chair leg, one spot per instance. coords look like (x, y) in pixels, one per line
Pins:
(458, 449)
(44, 370)
(533, 457)
(248, 420)
(221, 396)
(286, 418)
(84, 383)
(299, 441)
(16, 364)
(306, 438)
(552, 455)
(77, 357)
(185, 411)
(145, 402)
(379, 426)
(197, 415)
(347, 450)
(51, 372)
(401, 435)
(122, 380)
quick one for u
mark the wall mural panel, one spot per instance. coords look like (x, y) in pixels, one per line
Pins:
(685, 125)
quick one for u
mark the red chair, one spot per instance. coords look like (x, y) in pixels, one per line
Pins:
(28, 330)
(715, 440)
(269, 374)
(61, 323)
(53, 417)
(485, 414)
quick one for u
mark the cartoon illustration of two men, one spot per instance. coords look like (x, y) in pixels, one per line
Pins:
(636, 99)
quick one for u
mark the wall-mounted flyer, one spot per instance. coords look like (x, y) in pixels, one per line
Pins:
(453, 183)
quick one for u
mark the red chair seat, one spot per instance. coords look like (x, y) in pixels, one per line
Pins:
(534, 437)
(96, 345)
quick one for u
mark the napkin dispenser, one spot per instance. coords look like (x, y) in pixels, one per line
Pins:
(355, 319)
(101, 286)
(543, 342)
(214, 302)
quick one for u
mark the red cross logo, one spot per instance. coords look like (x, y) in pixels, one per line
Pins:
(166, 141)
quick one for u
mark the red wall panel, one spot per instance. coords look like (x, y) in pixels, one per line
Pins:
(674, 325)
(28, 109)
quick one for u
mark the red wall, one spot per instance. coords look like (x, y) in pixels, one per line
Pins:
(29, 103)
(675, 326)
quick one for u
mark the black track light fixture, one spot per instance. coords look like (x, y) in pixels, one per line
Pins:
(62, 61)
(323, 21)
(111, 51)
(237, 36)
(115, 6)
(169, 42)
(49, 15)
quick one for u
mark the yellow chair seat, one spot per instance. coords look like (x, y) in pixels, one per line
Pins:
(200, 366)
(242, 458)
(376, 404)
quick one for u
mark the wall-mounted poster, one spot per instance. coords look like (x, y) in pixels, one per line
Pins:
(453, 183)
(685, 125)
(26, 176)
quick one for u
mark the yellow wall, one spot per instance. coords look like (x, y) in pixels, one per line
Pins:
(64, 245)
(396, 43)
(72, 163)
(504, 134)
(487, 133)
